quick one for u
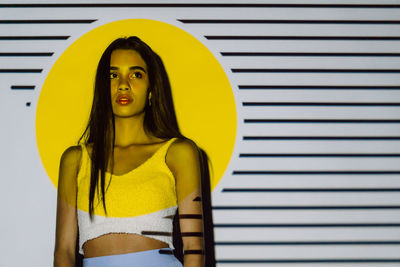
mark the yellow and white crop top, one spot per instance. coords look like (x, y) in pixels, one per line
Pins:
(142, 201)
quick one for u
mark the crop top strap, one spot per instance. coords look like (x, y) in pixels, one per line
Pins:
(162, 152)
(158, 156)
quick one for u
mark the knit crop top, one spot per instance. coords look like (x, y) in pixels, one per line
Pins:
(142, 201)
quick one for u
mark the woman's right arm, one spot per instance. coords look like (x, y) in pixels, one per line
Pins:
(66, 221)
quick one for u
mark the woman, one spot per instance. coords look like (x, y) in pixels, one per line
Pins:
(136, 187)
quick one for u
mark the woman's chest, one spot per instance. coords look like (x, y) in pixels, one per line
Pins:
(139, 192)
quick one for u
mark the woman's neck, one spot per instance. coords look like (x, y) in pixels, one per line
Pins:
(129, 131)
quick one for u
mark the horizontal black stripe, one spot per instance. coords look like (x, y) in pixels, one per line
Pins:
(22, 87)
(321, 121)
(284, 21)
(33, 38)
(165, 251)
(316, 70)
(305, 243)
(21, 70)
(330, 38)
(220, 5)
(343, 207)
(303, 225)
(190, 216)
(48, 21)
(156, 233)
(26, 54)
(197, 199)
(320, 87)
(327, 138)
(198, 234)
(259, 172)
(315, 190)
(319, 155)
(322, 104)
(193, 251)
(310, 261)
(306, 54)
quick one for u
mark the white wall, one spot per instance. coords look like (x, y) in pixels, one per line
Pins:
(284, 227)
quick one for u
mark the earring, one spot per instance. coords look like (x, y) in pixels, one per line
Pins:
(150, 99)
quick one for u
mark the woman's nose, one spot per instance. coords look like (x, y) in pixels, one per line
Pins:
(123, 85)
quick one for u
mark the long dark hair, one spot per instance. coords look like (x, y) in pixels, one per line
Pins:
(159, 121)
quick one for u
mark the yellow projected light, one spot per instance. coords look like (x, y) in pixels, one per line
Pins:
(202, 94)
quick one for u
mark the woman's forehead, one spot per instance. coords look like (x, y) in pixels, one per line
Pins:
(126, 57)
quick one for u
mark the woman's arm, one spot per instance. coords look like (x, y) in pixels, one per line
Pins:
(66, 221)
(183, 160)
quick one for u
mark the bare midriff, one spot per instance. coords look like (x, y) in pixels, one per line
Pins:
(120, 243)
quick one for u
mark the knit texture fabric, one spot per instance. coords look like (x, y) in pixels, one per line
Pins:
(142, 201)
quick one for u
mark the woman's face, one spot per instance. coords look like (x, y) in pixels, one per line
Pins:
(129, 82)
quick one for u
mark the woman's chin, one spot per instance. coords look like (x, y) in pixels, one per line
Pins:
(131, 114)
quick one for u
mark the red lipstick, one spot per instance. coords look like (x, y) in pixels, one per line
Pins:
(124, 99)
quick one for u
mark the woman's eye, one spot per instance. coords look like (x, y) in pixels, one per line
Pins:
(137, 75)
(113, 75)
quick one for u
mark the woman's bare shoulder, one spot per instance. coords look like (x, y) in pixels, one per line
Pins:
(181, 151)
(71, 156)
(183, 145)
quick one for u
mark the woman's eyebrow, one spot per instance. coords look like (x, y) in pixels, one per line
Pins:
(130, 68)
(137, 67)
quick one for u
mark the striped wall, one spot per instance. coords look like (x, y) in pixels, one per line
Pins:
(315, 175)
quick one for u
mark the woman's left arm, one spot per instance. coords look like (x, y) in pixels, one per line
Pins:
(183, 160)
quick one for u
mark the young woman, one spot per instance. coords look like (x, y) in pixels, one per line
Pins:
(135, 192)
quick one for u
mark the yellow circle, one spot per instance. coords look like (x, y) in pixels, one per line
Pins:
(202, 94)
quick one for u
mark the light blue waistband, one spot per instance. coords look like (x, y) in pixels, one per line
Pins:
(148, 258)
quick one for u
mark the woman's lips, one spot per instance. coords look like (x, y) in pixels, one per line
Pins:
(124, 99)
